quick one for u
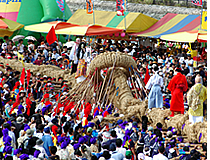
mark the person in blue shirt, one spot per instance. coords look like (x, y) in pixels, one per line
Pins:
(114, 154)
(47, 139)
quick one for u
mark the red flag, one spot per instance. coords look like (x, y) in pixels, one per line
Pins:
(28, 77)
(147, 77)
(51, 37)
(197, 2)
(22, 77)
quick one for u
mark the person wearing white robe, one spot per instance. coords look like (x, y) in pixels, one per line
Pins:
(155, 98)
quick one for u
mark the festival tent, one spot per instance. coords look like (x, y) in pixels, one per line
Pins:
(189, 36)
(45, 27)
(202, 36)
(88, 30)
(135, 22)
(172, 23)
(7, 27)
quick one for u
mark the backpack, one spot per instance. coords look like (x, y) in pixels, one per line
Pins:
(24, 148)
(29, 148)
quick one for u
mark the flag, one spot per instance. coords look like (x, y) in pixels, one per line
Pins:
(20, 58)
(28, 77)
(51, 37)
(147, 77)
(197, 2)
(22, 77)
(89, 6)
(204, 20)
(120, 7)
(61, 5)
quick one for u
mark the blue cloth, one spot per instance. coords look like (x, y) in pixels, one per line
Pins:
(95, 133)
(117, 156)
(185, 157)
(155, 99)
(47, 139)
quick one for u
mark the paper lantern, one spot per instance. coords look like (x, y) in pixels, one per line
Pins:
(116, 34)
(110, 35)
(123, 34)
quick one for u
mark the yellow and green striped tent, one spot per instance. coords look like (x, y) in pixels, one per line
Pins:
(135, 22)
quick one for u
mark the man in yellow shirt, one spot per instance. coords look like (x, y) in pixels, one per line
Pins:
(196, 112)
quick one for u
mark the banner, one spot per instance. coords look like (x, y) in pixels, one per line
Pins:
(89, 6)
(204, 20)
(20, 58)
(61, 5)
(9, 9)
(197, 2)
(120, 7)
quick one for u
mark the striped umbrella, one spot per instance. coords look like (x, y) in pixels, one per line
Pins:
(172, 23)
(7, 27)
(45, 27)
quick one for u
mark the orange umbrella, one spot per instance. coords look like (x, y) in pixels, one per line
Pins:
(88, 30)
(45, 27)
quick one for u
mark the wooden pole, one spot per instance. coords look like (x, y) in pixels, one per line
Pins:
(98, 102)
(142, 83)
(133, 83)
(85, 91)
(111, 73)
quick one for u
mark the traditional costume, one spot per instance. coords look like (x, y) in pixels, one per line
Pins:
(73, 56)
(82, 63)
(155, 98)
(177, 86)
(196, 111)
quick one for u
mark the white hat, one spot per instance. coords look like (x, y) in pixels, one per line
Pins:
(121, 115)
(160, 60)
(45, 76)
(5, 86)
(160, 73)
(14, 47)
(126, 50)
(38, 74)
(20, 120)
(42, 46)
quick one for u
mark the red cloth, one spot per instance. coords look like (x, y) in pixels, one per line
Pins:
(28, 106)
(147, 77)
(38, 62)
(68, 107)
(1, 84)
(51, 36)
(28, 77)
(45, 96)
(87, 109)
(17, 84)
(17, 102)
(177, 86)
(106, 113)
(48, 102)
(54, 130)
(22, 77)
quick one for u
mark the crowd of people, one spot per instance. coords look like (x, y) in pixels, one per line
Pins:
(35, 125)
